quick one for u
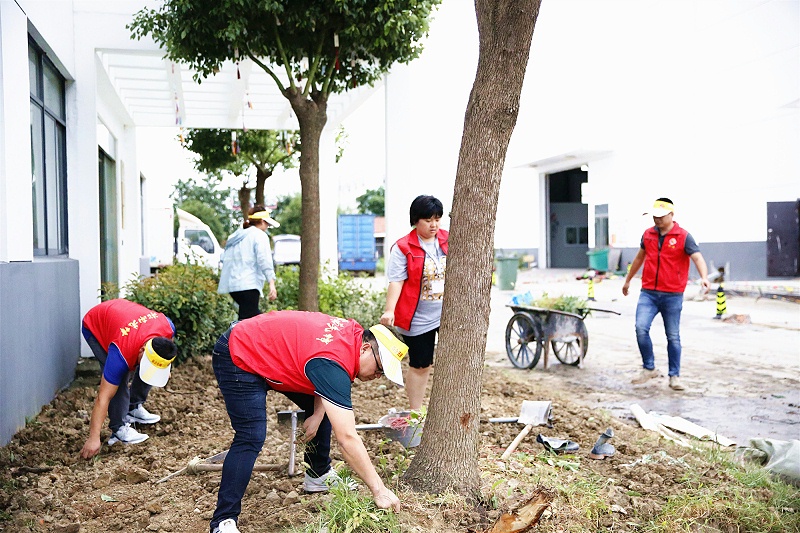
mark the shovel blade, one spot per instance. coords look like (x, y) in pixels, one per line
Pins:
(535, 413)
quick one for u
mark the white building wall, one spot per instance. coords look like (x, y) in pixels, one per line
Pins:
(16, 224)
(698, 101)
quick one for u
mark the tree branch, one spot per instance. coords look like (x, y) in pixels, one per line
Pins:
(266, 69)
(286, 64)
(328, 80)
(312, 71)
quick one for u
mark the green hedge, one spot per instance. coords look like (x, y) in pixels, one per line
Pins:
(188, 295)
(342, 295)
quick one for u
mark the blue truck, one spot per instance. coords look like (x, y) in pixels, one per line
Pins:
(356, 234)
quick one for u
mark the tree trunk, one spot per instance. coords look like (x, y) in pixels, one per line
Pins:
(312, 114)
(244, 200)
(448, 455)
(262, 174)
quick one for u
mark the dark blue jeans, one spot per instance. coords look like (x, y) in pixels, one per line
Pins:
(245, 397)
(669, 305)
(130, 394)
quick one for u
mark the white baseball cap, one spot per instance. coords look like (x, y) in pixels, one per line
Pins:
(392, 351)
(154, 369)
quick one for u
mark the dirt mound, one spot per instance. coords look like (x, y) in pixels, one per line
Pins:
(47, 487)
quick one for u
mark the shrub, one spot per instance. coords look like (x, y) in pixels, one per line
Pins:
(341, 295)
(188, 295)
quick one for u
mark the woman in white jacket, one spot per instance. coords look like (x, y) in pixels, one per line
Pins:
(247, 263)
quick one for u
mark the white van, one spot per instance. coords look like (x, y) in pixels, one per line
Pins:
(194, 242)
(286, 249)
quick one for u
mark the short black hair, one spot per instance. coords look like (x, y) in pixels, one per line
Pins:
(664, 200)
(165, 348)
(423, 207)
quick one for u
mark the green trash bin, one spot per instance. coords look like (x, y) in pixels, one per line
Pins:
(598, 259)
(507, 272)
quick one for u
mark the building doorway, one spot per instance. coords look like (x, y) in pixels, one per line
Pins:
(567, 219)
(108, 219)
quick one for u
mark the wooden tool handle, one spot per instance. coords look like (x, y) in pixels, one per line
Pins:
(513, 445)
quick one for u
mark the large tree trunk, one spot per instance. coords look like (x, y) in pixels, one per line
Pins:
(448, 455)
(312, 116)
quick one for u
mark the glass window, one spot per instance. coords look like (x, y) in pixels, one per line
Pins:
(48, 155)
(200, 238)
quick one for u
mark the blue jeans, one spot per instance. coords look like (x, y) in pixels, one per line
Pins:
(128, 397)
(245, 397)
(669, 305)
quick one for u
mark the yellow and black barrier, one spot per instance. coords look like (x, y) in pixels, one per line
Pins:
(591, 291)
(722, 307)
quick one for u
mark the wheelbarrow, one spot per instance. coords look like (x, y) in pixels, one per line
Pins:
(533, 330)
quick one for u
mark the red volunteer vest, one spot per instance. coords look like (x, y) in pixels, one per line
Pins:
(667, 269)
(277, 345)
(128, 325)
(415, 259)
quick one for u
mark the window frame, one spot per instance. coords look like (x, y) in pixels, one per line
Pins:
(49, 146)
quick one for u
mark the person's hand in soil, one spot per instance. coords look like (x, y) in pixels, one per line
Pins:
(386, 499)
(311, 424)
(91, 448)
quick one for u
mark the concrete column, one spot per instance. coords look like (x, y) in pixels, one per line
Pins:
(328, 199)
(16, 222)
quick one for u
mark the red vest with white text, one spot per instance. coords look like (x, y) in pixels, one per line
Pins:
(277, 345)
(126, 324)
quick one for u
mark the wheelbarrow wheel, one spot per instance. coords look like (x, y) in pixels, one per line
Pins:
(523, 340)
(570, 350)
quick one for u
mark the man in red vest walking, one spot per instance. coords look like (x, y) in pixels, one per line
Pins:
(665, 251)
(133, 344)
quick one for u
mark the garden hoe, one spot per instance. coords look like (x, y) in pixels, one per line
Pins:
(531, 414)
(290, 418)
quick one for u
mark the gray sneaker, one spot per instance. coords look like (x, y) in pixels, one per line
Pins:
(645, 375)
(675, 383)
(324, 482)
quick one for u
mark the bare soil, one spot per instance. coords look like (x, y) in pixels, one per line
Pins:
(45, 486)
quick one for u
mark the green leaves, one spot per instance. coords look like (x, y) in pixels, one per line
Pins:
(187, 294)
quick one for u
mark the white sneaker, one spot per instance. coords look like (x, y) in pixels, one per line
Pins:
(127, 435)
(324, 482)
(141, 415)
(645, 375)
(227, 526)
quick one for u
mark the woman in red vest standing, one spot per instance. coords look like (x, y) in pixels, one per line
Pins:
(416, 272)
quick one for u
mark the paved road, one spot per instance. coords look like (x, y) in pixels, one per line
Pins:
(743, 380)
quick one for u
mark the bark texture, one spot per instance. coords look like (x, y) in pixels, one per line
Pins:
(447, 458)
(312, 114)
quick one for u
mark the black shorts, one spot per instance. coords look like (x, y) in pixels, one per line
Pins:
(420, 348)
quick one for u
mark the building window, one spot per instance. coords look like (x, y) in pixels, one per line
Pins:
(577, 235)
(601, 226)
(48, 155)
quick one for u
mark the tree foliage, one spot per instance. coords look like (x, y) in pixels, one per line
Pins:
(289, 213)
(236, 152)
(373, 202)
(189, 194)
(323, 47)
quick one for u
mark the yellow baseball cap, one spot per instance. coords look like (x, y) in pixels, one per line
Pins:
(392, 351)
(661, 208)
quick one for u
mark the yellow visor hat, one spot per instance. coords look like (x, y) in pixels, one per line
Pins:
(264, 215)
(391, 351)
(154, 369)
(661, 209)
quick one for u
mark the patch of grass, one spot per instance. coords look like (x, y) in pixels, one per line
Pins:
(751, 501)
(349, 511)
